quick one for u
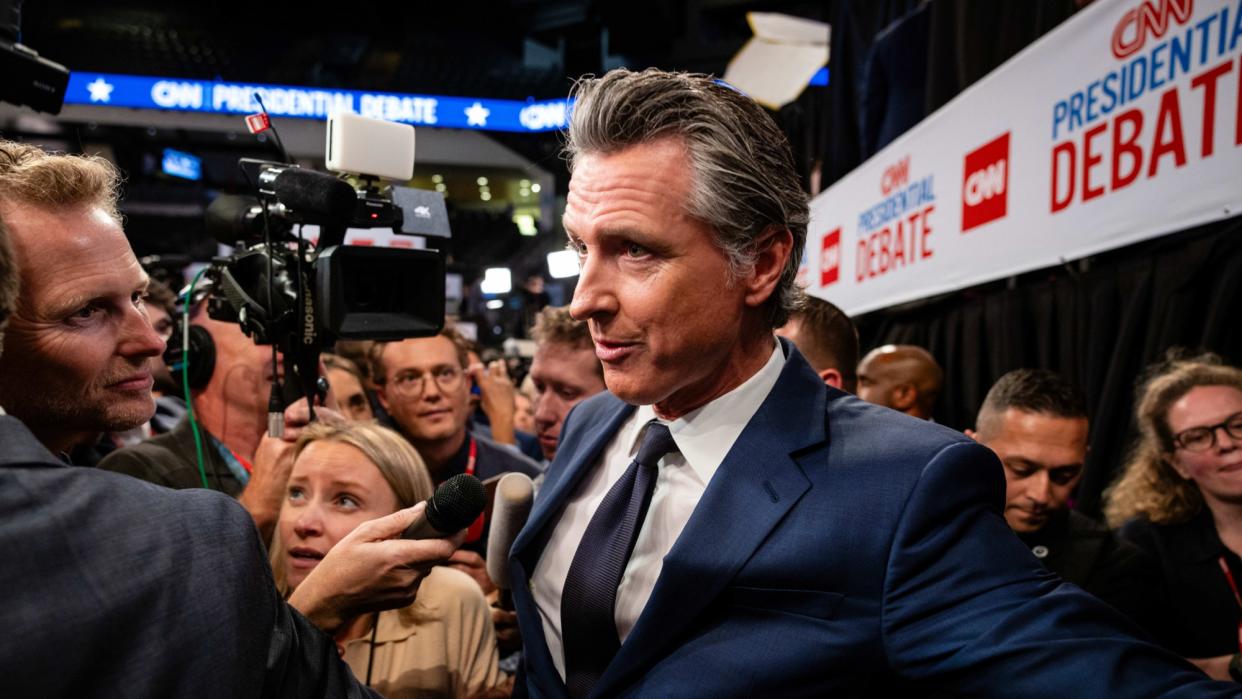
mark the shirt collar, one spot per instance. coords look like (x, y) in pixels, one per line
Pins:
(705, 435)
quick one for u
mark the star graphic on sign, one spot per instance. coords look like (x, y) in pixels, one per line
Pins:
(476, 114)
(101, 90)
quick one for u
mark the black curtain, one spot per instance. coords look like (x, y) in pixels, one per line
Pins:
(954, 44)
(1098, 327)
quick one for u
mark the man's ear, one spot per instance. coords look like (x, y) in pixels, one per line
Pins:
(832, 377)
(971, 433)
(772, 252)
(383, 397)
(904, 396)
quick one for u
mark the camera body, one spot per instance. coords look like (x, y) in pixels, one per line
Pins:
(302, 297)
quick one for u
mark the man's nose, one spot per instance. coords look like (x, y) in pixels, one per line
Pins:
(1039, 488)
(138, 337)
(593, 296)
(545, 414)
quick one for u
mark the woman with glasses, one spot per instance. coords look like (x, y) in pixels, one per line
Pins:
(1180, 499)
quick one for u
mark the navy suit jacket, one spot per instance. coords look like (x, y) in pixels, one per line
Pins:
(841, 547)
(113, 587)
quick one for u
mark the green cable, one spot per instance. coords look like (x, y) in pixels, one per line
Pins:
(185, 376)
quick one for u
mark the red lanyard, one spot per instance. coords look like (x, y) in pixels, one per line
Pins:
(1224, 566)
(474, 455)
(475, 532)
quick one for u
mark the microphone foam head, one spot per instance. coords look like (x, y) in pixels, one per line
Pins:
(514, 497)
(315, 194)
(456, 503)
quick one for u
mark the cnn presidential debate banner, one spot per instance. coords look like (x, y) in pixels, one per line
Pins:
(1123, 124)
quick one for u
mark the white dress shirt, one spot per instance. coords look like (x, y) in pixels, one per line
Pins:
(704, 437)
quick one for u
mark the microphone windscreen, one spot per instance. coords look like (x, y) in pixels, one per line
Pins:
(514, 497)
(233, 217)
(456, 503)
(316, 196)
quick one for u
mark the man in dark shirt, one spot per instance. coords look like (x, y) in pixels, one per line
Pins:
(1036, 422)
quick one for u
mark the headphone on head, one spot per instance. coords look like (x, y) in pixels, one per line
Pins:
(196, 360)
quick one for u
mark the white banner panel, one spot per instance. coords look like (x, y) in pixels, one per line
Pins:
(1125, 123)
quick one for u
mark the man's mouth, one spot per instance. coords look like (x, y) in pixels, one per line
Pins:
(611, 351)
(137, 381)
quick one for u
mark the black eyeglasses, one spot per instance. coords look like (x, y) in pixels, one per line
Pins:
(1204, 438)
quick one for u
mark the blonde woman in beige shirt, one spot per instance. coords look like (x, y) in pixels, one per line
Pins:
(443, 645)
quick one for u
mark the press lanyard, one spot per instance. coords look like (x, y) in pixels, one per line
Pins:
(1224, 566)
(240, 468)
(475, 532)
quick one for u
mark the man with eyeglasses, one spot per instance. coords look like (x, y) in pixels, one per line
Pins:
(424, 385)
(1036, 422)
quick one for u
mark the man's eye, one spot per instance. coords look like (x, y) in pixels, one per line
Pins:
(635, 250)
(86, 312)
(577, 246)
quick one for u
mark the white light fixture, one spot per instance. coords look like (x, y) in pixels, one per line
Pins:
(485, 196)
(495, 304)
(526, 224)
(441, 187)
(482, 181)
(496, 280)
(562, 264)
(437, 178)
(535, 188)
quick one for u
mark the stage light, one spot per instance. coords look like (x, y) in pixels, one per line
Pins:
(496, 280)
(562, 264)
(495, 304)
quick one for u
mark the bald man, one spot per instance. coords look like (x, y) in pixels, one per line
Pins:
(905, 378)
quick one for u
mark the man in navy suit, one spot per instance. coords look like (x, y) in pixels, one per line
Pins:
(720, 523)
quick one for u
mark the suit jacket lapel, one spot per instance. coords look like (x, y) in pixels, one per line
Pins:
(756, 484)
(558, 487)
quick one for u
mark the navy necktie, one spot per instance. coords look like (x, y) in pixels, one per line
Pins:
(588, 624)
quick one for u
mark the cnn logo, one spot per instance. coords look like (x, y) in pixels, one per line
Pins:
(830, 258)
(985, 184)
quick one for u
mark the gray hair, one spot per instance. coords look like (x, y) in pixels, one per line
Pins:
(745, 183)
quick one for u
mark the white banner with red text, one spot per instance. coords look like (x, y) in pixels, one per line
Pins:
(1123, 124)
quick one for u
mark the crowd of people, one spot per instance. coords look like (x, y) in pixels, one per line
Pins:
(731, 498)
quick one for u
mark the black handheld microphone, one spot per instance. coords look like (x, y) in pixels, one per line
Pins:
(514, 496)
(455, 504)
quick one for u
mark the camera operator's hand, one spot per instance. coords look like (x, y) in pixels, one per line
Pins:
(273, 461)
(370, 569)
(297, 416)
(496, 393)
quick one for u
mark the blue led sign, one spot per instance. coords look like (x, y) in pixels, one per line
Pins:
(144, 92)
